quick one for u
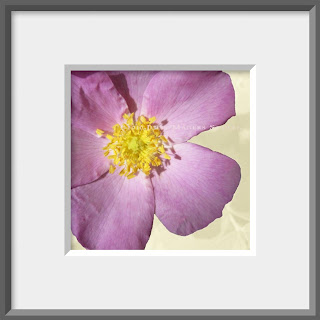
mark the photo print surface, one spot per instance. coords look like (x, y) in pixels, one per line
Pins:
(160, 160)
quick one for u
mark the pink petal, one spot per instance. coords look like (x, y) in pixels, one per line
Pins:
(87, 160)
(131, 85)
(96, 103)
(113, 212)
(194, 188)
(186, 103)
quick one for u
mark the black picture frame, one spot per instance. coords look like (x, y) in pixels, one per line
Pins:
(7, 7)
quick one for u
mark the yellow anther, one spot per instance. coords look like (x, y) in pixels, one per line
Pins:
(153, 119)
(116, 128)
(99, 132)
(130, 121)
(110, 137)
(166, 156)
(161, 149)
(131, 175)
(164, 139)
(142, 119)
(112, 169)
(156, 162)
(156, 132)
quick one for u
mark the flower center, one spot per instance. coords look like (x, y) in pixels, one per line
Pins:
(135, 146)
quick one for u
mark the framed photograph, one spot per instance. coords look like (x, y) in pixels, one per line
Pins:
(135, 142)
(159, 159)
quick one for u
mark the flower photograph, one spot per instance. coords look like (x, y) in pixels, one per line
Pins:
(137, 170)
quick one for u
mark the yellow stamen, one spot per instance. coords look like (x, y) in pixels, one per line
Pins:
(153, 119)
(164, 139)
(99, 132)
(116, 128)
(130, 176)
(110, 137)
(143, 119)
(166, 156)
(135, 145)
(130, 119)
(161, 149)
